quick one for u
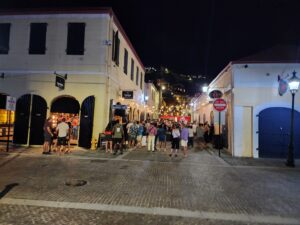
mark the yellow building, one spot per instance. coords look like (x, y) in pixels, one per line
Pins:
(67, 63)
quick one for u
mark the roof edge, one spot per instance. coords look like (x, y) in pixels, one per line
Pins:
(40, 11)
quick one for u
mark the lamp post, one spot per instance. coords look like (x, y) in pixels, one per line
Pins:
(294, 86)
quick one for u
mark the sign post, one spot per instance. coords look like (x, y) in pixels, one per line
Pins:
(220, 105)
(10, 106)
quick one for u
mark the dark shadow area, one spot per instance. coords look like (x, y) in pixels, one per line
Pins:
(7, 189)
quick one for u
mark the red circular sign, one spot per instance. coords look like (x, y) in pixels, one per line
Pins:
(220, 104)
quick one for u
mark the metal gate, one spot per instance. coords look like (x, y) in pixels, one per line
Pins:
(274, 132)
(86, 122)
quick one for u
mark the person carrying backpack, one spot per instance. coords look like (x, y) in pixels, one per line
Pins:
(118, 134)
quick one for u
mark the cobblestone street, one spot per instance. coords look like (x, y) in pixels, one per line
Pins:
(140, 187)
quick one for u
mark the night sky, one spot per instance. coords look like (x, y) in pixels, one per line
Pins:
(196, 36)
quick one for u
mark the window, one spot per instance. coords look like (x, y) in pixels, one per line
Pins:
(125, 61)
(142, 81)
(37, 41)
(4, 37)
(116, 47)
(76, 33)
(137, 76)
(132, 69)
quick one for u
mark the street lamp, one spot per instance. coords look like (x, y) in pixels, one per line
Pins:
(294, 86)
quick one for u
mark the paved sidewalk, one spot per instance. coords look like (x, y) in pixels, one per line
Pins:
(142, 154)
(141, 187)
(244, 161)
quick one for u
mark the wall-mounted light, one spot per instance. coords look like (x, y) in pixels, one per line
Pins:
(204, 89)
(108, 42)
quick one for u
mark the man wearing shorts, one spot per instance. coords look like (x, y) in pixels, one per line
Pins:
(184, 135)
(118, 134)
(62, 134)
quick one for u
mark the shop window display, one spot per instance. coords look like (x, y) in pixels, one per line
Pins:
(4, 124)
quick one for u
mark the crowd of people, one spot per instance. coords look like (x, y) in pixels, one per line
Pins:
(134, 135)
(154, 136)
(58, 135)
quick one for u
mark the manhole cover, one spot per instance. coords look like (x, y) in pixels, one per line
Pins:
(75, 182)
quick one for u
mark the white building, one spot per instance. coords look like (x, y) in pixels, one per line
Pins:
(153, 101)
(88, 47)
(257, 120)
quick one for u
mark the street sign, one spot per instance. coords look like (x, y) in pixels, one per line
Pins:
(60, 82)
(124, 107)
(215, 94)
(11, 103)
(220, 104)
(127, 94)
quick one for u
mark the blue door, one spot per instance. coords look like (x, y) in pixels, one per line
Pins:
(274, 132)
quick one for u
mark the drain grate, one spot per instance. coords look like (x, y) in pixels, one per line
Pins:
(75, 183)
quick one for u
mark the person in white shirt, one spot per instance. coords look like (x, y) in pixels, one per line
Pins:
(63, 130)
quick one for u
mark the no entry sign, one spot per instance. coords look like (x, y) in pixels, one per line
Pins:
(220, 104)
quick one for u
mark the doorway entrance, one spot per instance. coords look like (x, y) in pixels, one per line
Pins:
(30, 116)
(86, 122)
(6, 120)
(274, 132)
(66, 107)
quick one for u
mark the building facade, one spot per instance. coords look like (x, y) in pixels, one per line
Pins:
(152, 94)
(258, 116)
(87, 50)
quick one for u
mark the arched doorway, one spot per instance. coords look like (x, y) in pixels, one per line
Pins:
(274, 132)
(86, 122)
(31, 108)
(66, 107)
(133, 114)
(142, 117)
(65, 104)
